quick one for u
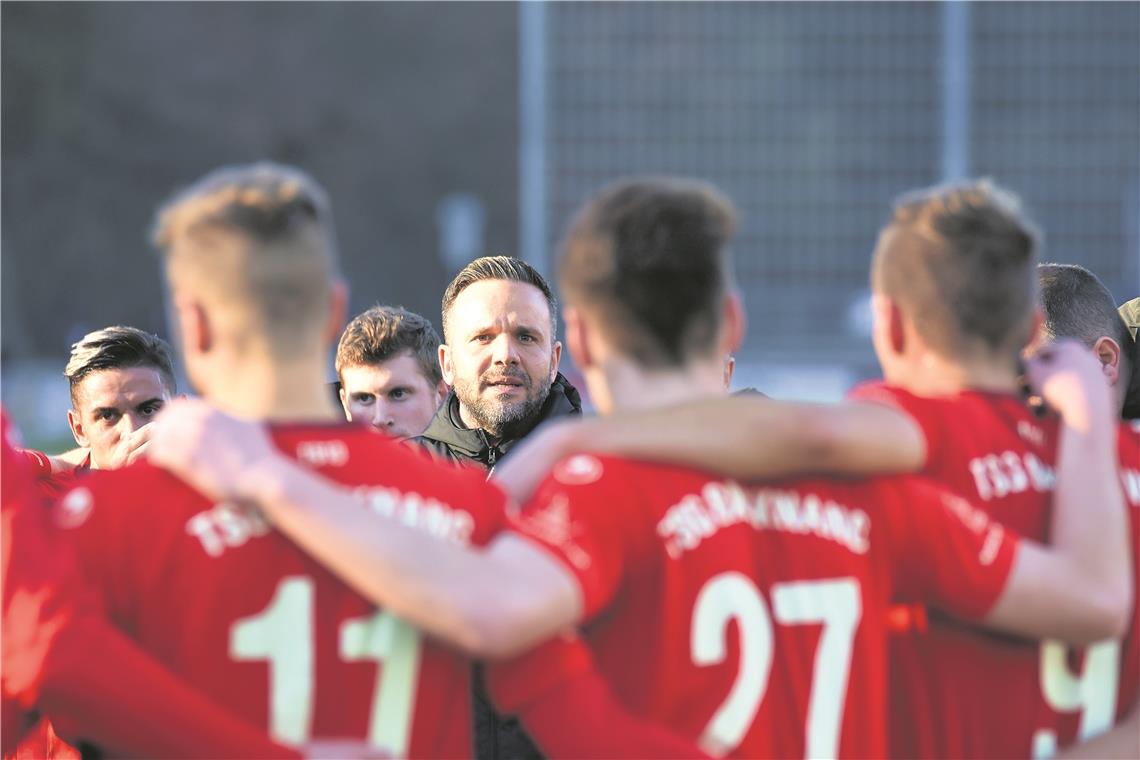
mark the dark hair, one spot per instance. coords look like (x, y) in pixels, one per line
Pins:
(119, 347)
(649, 257)
(499, 268)
(381, 333)
(1078, 305)
(258, 238)
(959, 260)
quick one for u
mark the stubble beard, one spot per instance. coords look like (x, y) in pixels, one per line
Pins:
(502, 419)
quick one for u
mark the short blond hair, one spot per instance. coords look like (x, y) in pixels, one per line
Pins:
(258, 241)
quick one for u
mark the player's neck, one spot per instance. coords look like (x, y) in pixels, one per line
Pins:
(933, 375)
(294, 391)
(629, 386)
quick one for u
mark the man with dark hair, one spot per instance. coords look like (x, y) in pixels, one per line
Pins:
(388, 372)
(703, 601)
(500, 355)
(1077, 305)
(120, 377)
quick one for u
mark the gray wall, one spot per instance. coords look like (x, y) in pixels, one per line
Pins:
(107, 108)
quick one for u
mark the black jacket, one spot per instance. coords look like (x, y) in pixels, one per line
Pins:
(496, 737)
(447, 438)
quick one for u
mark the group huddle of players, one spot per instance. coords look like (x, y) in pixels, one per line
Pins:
(941, 566)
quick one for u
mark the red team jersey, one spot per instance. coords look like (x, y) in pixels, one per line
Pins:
(753, 620)
(961, 692)
(241, 613)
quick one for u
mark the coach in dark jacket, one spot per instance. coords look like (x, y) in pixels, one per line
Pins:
(500, 358)
(448, 438)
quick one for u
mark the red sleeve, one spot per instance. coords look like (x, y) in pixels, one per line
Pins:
(98, 686)
(946, 551)
(39, 462)
(570, 711)
(578, 515)
(922, 411)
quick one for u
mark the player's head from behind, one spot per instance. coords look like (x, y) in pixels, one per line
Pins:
(1077, 305)
(255, 290)
(954, 284)
(388, 367)
(647, 281)
(120, 377)
(499, 352)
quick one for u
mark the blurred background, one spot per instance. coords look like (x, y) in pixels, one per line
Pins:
(447, 131)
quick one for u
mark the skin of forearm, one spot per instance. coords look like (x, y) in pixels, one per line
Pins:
(756, 438)
(1090, 524)
(492, 603)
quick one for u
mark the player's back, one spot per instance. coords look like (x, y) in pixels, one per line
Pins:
(240, 612)
(958, 691)
(749, 619)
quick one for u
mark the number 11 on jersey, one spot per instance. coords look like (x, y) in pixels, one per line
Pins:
(283, 634)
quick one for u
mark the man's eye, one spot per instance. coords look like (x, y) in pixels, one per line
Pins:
(364, 399)
(397, 394)
(527, 338)
(482, 338)
(108, 416)
(155, 408)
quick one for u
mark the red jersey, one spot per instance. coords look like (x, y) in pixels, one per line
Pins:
(266, 631)
(961, 692)
(752, 621)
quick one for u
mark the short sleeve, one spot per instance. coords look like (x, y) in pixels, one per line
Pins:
(947, 552)
(922, 411)
(579, 514)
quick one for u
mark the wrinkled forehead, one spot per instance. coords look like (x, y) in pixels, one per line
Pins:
(120, 387)
(500, 304)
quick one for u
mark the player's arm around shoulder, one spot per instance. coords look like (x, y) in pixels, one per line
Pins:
(491, 602)
(1080, 588)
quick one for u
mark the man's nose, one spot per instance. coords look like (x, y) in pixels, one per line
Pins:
(504, 350)
(381, 416)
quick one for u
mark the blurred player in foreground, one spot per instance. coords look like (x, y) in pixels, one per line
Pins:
(954, 284)
(703, 601)
(60, 658)
(206, 586)
(388, 371)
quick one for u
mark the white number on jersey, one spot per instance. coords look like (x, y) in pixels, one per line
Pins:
(1092, 692)
(283, 634)
(835, 604)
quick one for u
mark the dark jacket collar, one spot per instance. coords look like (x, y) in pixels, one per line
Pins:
(447, 430)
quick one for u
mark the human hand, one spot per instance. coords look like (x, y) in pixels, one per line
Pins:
(131, 447)
(215, 453)
(1069, 379)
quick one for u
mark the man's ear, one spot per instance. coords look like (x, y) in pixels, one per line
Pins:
(1108, 351)
(445, 365)
(75, 422)
(338, 307)
(1037, 328)
(441, 391)
(577, 338)
(340, 392)
(555, 358)
(193, 326)
(733, 322)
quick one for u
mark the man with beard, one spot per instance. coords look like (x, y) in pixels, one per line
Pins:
(500, 357)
